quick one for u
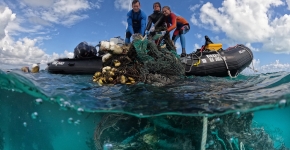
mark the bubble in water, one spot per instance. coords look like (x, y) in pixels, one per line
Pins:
(66, 104)
(38, 101)
(211, 142)
(52, 99)
(70, 120)
(34, 115)
(80, 111)
(24, 124)
(77, 122)
(61, 99)
(282, 103)
(238, 114)
(217, 120)
(108, 146)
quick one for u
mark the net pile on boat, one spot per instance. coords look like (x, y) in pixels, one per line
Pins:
(141, 61)
(228, 132)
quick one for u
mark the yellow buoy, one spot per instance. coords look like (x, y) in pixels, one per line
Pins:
(114, 69)
(35, 68)
(131, 79)
(111, 73)
(123, 79)
(117, 63)
(108, 68)
(97, 74)
(111, 79)
(25, 69)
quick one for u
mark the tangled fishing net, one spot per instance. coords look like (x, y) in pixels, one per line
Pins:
(141, 61)
(228, 132)
(1, 140)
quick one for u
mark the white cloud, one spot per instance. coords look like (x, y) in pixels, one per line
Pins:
(198, 35)
(280, 40)
(23, 51)
(178, 46)
(274, 67)
(73, 19)
(245, 21)
(67, 7)
(249, 45)
(20, 52)
(269, 68)
(196, 46)
(38, 3)
(64, 12)
(194, 7)
(288, 4)
(124, 23)
(33, 18)
(123, 4)
(6, 16)
(194, 20)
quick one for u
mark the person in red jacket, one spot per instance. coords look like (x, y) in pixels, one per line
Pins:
(178, 23)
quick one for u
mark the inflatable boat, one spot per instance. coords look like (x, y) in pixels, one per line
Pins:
(220, 63)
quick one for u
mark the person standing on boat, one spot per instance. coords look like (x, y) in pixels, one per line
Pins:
(136, 20)
(157, 18)
(178, 23)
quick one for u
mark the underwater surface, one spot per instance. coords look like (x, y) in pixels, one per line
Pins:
(70, 112)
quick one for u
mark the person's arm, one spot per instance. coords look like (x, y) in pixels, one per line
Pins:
(149, 23)
(130, 22)
(159, 21)
(173, 24)
(143, 22)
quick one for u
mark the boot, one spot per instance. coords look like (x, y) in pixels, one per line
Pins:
(183, 54)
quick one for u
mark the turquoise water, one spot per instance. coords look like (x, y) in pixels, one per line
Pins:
(57, 112)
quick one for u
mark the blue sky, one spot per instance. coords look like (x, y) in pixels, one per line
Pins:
(33, 31)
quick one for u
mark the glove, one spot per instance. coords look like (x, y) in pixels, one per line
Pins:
(152, 29)
(147, 32)
(163, 33)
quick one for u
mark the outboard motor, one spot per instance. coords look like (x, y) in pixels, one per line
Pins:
(84, 50)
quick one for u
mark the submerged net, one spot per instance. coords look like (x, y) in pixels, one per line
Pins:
(1, 140)
(228, 132)
(143, 61)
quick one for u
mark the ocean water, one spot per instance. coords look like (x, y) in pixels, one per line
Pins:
(70, 112)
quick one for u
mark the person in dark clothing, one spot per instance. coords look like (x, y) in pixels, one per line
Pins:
(136, 20)
(157, 18)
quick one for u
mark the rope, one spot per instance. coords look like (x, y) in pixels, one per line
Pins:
(193, 61)
(229, 72)
(204, 134)
(242, 147)
(247, 49)
(145, 37)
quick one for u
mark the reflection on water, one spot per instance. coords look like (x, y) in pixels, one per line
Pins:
(45, 112)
